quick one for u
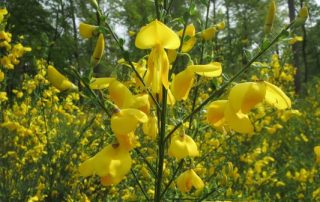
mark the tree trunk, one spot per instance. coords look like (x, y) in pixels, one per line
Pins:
(295, 50)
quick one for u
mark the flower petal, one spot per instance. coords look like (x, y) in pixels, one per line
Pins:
(157, 34)
(276, 97)
(213, 69)
(245, 96)
(239, 122)
(182, 84)
(100, 83)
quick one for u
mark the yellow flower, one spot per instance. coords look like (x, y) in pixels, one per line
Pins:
(112, 163)
(158, 37)
(99, 50)
(182, 146)
(150, 128)
(120, 94)
(302, 16)
(127, 141)
(58, 80)
(295, 39)
(182, 84)
(100, 83)
(183, 81)
(127, 120)
(1, 76)
(189, 43)
(316, 150)
(244, 96)
(3, 12)
(270, 17)
(86, 30)
(209, 33)
(189, 179)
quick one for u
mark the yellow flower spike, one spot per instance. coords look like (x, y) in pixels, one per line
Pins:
(58, 80)
(182, 146)
(99, 50)
(86, 30)
(127, 141)
(238, 121)
(182, 84)
(127, 120)
(213, 69)
(141, 102)
(276, 97)
(245, 96)
(157, 34)
(113, 162)
(189, 179)
(101, 83)
(209, 33)
(120, 94)
(215, 113)
(316, 150)
(150, 128)
(270, 17)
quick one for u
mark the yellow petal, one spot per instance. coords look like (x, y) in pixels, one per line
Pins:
(215, 113)
(128, 141)
(100, 83)
(157, 34)
(182, 84)
(141, 102)
(220, 25)
(245, 96)
(127, 120)
(58, 80)
(170, 99)
(111, 160)
(182, 146)
(172, 55)
(213, 69)
(150, 128)
(209, 33)
(239, 122)
(190, 31)
(164, 61)
(189, 179)
(276, 97)
(188, 45)
(86, 30)
(99, 50)
(120, 94)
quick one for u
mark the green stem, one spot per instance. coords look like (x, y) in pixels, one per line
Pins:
(172, 178)
(161, 146)
(157, 7)
(220, 91)
(139, 184)
(146, 162)
(96, 98)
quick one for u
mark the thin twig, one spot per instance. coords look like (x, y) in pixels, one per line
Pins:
(139, 184)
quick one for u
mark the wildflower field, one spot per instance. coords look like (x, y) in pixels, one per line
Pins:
(159, 100)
